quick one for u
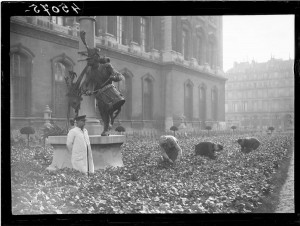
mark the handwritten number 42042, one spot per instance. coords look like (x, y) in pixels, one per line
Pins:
(54, 9)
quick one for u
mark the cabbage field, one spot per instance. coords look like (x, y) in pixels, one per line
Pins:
(233, 183)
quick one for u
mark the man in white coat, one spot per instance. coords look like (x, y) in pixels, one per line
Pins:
(78, 143)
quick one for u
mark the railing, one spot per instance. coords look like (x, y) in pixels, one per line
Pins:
(155, 134)
(132, 125)
(134, 48)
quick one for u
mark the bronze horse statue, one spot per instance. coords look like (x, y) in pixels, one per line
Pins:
(99, 77)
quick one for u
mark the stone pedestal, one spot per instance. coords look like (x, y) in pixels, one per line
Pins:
(61, 156)
(106, 151)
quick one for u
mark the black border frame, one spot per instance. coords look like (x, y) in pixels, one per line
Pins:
(140, 8)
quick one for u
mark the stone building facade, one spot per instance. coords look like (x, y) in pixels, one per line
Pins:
(259, 95)
(172, 67)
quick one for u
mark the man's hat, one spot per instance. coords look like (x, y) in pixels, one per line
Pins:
(78, 118)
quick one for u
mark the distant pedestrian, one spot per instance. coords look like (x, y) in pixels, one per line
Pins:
(78, 144)
(207, 149)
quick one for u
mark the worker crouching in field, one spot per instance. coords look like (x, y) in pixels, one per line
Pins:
(248, 144)
(170, 149)
(207, 149)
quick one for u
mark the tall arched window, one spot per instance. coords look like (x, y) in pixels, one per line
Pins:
(20, 80)
(200, 47)
(188, 100)
(57, 20)
(212, 52)
(111, 25)
(144, 33)
(199, 50)
(125, 87)
(140, 32)
(202, 103)
(61, 66)
(185, 44)
(19, 75)
(122, 20)
(186, 34)
(147, 97)
(214, 104)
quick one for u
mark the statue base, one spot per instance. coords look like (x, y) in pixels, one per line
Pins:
(93, 126)
(106, 151)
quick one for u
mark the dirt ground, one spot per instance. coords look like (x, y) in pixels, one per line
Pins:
(286, 203)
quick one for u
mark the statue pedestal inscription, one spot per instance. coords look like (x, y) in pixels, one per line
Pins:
(106, 151)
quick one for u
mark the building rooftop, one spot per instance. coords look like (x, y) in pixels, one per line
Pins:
(272, 64)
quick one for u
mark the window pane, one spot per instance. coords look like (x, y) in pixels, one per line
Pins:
(136, 29)
(188, 106)
(60, 70)
(111, 25)
(144, 33)
(185, 44)
(59, 20)
(199, 50)
(60, 90)
(121, 30)
(19, 85)
(147, 99)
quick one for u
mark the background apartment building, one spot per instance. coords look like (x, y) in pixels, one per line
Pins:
(259, 95)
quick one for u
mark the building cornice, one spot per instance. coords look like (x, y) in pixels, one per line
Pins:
(197, 73)
(41, 33)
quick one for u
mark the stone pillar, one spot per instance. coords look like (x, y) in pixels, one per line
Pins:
(168, 99)
(220, 42)
(87, 107)
(221, 102)
(168, 33)
(208, 104)
(167, 52)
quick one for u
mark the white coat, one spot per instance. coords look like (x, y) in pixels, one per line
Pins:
(78, 142)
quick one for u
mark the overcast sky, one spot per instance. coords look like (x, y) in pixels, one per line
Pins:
(257, 37)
